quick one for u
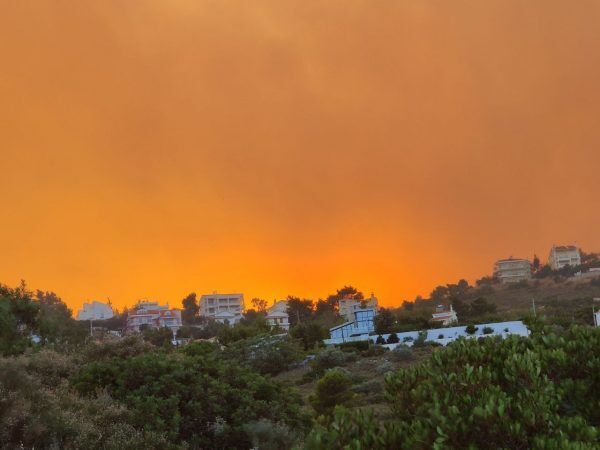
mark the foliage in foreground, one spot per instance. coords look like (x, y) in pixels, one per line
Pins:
(519, 393)
(192, 397)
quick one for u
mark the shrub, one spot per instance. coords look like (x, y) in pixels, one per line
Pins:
(471, 329)
(440, 336)
(380, 340)
(402, 353)
(407, 339)
(200, 401)
(355, 345)
(38, 410)
(373, 388)
(393, 339)
(267, 435)
(265, 354)
(421, 339)
(487, 330)
(121, 348)
(539, 392)
(506, 330)
(331, 390)
(375, 350)
(330, 358)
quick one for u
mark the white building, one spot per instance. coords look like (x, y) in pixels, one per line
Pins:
(445, 317)
(153, 315)
(442, 336)
(362, 325)
(95, 311)
(211, 305)
(226, 317)
(277, 315)
(347, 306)
(512, 270)
(564, 255)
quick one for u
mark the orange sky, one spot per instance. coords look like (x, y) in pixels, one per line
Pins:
(153, 148)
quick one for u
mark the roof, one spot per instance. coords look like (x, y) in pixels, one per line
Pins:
(511, 259)
(277, 314)
(340, 326)
(564, 248)
(221, 314)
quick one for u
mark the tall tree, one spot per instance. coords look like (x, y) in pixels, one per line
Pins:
(299, 309)
(536, 263)
(190, 308)
(384, 321)
(259, 304)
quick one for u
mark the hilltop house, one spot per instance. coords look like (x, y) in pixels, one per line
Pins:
(153, 315)
(215, 305)
(95, 311)
(277, 315)
(512, 270)
(564, 255)
(348, 305)
(361, 326)
(443, 316)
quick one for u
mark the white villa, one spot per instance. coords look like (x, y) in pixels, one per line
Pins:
(95, 311)
(277, 315)
(442, 336)
(564, 255)
(512, 270)
(227, 317)
(360, 327)
(216, 305)
(444, 317)
(347, 306)
(153, 315)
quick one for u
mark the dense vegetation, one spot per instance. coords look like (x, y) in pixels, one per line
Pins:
(542, 392)
(259, 388)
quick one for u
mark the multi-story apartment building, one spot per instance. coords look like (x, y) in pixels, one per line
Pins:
(564, 255)
(153, 315)
(512, 270)
(347, 306)
(215, 306)
(95, 311)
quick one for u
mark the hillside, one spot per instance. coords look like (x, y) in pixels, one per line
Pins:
(561, 300)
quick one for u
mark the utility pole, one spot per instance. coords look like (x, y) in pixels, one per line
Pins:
(533, 305)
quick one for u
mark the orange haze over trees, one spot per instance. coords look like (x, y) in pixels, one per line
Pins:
(151, 149)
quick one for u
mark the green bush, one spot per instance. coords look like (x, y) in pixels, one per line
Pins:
(330, 358)
(542, 392)
(355, 345)
(265, 354)
(421, 339)
(380, 340)
(402, 353)
(393, 339)
(38, 410)
(331, 390)
(196, 400)
(487, 330)
(267, 435)
(471, 329)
